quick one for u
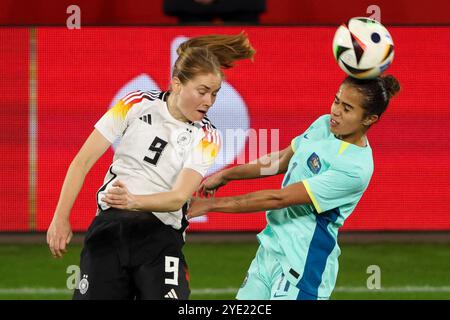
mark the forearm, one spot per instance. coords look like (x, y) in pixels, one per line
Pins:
(294, 194)
(251, 202)
(265, 166)
(159, 202)
(72, 185)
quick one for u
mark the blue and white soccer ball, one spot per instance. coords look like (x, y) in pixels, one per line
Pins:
(363, 48)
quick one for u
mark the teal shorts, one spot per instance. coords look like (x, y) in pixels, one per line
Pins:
(265, 280)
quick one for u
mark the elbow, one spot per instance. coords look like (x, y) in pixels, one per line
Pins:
(80, 165)
(83, 161)
(78, 162)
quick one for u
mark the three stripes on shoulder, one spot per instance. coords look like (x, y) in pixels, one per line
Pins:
(146, 118)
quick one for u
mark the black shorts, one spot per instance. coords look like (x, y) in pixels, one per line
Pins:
(132, 255)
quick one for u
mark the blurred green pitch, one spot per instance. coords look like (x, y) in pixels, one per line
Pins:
(408, 271)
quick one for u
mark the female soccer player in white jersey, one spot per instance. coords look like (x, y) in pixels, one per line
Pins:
(167, 145)
(328, 168)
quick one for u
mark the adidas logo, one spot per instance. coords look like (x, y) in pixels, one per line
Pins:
(146, 118)
(171, 295)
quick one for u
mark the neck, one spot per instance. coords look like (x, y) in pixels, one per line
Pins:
(173, 110)
(356, 139)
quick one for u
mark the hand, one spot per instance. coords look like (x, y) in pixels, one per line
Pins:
(119, 197)
(198, 207)
(209, 187)
(59, 234)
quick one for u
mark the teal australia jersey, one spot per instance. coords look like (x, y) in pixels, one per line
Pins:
(303, 238)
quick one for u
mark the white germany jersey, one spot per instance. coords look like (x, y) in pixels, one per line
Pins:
(154, 147)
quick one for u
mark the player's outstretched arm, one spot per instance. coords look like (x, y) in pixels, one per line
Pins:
(121, 198)
(294, 194)
(59, 232)
(268, 165)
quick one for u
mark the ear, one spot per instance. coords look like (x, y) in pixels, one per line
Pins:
(175, 83)
(370, 120)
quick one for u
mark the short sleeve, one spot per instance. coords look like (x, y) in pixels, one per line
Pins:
(335, 187)
(113, 123)
(295, 143)
(205, 149)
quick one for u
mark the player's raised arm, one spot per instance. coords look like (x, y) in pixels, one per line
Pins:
(59, 232)
(267, 165)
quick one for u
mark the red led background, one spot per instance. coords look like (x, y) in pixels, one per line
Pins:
(291, 82)
(14, 142)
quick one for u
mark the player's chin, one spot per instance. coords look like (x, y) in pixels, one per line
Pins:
(334, 131)
(197, 116)
(338, 131)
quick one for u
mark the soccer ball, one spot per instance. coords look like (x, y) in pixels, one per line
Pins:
(363, 48)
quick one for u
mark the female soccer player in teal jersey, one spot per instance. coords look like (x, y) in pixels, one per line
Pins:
(328, 168)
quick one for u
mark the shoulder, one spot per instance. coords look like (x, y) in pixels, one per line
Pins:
(138, 96)
(322, 119)
(132, 102)
(207, 130)
(207, 124)
(323, 122)
(357, 164)
(319, 129)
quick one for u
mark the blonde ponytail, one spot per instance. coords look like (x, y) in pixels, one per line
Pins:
(210, 54)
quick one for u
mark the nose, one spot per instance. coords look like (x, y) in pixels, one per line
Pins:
(336, 109)
(208, 100)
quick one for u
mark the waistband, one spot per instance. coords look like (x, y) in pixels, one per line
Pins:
(125, 214)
